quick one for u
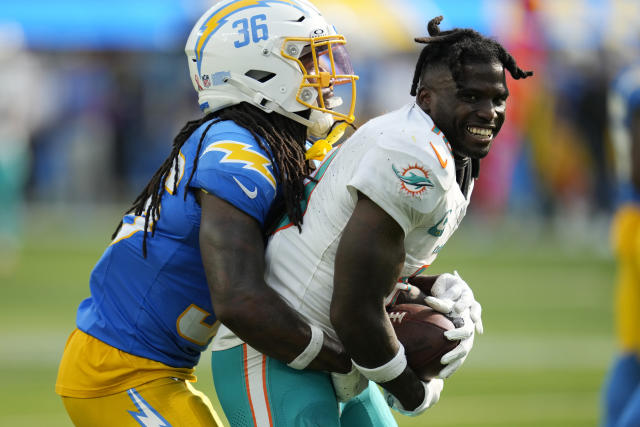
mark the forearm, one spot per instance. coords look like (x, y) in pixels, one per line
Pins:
(232, 252)
(376, 347)
(370, 340)
(282, 337)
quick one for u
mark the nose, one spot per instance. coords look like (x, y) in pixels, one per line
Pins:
(488, 111)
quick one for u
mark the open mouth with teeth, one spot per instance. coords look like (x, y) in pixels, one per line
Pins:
(484, 134)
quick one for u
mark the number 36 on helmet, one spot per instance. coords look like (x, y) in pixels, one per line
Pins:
(279, 55)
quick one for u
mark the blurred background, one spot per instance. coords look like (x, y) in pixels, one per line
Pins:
(92, 94)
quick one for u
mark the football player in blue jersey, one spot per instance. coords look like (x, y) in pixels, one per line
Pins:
(190, 250)
(622, 390)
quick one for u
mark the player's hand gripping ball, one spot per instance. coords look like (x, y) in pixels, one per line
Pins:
(421, 330)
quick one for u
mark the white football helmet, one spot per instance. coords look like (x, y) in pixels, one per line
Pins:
(279, 55)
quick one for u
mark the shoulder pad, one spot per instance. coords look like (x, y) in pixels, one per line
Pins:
(427, 146)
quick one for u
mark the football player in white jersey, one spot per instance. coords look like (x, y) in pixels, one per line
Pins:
(377, 212)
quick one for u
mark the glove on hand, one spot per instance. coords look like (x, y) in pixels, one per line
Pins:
(456, 357)
(453, 297)
(432, 390)
(349, 385)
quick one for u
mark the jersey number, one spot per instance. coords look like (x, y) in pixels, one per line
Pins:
(258, 31)
(192, 327)
(131, 224)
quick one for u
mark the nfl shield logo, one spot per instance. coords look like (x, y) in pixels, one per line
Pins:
(205, 80)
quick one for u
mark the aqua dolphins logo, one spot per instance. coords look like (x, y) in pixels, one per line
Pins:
(414, 179)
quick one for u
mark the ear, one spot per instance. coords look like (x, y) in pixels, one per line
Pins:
(423, 99)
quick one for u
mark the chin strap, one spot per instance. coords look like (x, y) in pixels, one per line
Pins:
(321, 147)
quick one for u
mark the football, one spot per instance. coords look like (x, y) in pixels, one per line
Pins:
(421, 330)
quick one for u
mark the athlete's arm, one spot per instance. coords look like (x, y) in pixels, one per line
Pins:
(368, 263)
(232, 251)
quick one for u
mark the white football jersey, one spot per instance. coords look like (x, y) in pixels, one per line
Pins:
(403, 163)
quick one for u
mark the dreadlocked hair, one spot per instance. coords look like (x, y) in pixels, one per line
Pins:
(454, 46)
(285, 140)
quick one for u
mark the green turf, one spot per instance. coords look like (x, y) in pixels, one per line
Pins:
(547, 315)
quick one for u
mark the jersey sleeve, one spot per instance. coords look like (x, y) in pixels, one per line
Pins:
(401, 180)
(233, 167)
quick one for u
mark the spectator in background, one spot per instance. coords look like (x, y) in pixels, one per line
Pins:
(622, 389)
(18, 80)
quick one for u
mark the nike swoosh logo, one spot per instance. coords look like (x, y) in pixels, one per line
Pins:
(250, 194)
(442, 163)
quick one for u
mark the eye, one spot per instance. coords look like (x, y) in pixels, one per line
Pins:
(501, 100)
(469, 97)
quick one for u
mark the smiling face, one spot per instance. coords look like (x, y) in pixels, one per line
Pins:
(470, 113)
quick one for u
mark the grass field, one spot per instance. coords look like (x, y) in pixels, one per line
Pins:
(547, 316)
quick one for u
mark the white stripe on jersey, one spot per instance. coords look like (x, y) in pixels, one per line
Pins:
(255, 364)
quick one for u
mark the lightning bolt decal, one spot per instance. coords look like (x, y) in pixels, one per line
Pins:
(219, 18)
(146, 415)
(237, 152)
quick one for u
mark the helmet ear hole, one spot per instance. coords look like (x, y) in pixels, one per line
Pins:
(260, 75)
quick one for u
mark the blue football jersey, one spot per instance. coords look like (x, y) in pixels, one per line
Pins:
(159, 307)
(627, 87)
(624, 99)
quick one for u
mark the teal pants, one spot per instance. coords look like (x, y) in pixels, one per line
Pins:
(256, 390)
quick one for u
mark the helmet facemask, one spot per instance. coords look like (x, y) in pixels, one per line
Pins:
(325, 65)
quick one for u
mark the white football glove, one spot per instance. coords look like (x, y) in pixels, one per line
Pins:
(349, 385)
(432, 390)
(456, 357)
(452, 295)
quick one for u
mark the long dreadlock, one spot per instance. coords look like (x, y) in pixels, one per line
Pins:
(284, 137)
(454, 46)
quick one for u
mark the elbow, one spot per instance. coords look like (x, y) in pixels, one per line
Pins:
(228, 314)
(237, 312)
